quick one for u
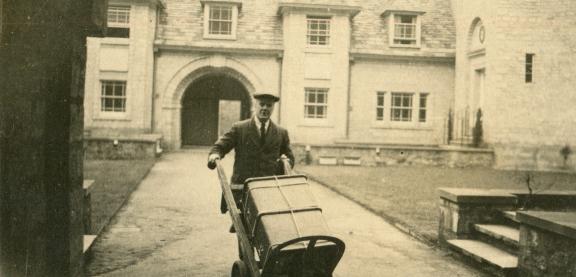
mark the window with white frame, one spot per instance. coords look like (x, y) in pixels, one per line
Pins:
(422, 107)
(113, 96)
(404, 28)
(316, 103)
(220, 20)
(408, 107)
(401, 106)
(318, 30)
(380, 105)
(118, 21)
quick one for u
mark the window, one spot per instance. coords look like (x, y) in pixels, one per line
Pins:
(113, 98)
(405, 29)
(316, 103)
(318, 30)
(118, 21)
(405, 108)
(423, 104)
(529, 68)
(220, 21)
(401, 109)
(380, 105)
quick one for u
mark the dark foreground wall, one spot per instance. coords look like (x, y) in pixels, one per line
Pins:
(42, 59)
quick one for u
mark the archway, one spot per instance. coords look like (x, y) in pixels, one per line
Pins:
(209, 107)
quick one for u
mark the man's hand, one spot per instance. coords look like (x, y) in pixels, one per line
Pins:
(212, 160)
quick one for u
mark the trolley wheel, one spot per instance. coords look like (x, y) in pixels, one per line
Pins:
(239, 269)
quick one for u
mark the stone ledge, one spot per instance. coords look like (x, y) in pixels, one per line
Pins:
(477, 196)
(122, 146)
(563, 223)
(127, 138)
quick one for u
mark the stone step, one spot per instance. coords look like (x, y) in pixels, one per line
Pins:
(88, 241)
(511, 215)
(501, 262)
(500, 233)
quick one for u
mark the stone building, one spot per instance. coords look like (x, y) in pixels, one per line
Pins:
(516, 60)
(378, 73)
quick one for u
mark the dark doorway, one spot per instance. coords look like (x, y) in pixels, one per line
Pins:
(210, 104)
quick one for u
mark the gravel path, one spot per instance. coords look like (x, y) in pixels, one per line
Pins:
(172, 226)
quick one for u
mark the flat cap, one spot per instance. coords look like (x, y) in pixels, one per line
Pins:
(266, 95)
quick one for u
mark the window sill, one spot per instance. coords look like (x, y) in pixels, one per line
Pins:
(318, 49)
(112, 117)
(407, 46)
(402, 126)
(216, 37)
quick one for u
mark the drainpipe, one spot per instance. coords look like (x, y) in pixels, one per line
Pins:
(155, 53)
(280, 59)
(348, 92)
(349, 85)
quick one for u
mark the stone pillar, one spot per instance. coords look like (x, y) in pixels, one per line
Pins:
(547, 244)
(42, 59)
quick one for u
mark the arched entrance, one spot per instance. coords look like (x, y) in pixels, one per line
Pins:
(209, 107)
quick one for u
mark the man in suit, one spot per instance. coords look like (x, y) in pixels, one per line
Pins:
(258, 144)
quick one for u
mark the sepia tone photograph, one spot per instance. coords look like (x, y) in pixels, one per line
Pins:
(287, 138)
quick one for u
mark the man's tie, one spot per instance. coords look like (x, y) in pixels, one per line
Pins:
(262, 133)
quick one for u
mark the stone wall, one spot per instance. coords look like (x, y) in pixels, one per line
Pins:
(381, 155)
(522, 119)
(123, 59)
(122, 147)
(547, 244)
(42, 49)
(258, 25)
(324, 67)
(368, 77)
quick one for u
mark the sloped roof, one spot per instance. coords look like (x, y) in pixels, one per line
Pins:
(370, 30)
(261, 26)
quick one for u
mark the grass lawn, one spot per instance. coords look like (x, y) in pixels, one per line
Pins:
(114, 182)
(409, 194)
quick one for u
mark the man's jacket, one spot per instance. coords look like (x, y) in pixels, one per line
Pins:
(251, 158)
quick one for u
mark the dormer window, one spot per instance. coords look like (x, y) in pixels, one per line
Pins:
(404, 28)
(220, 20)
(118, 21)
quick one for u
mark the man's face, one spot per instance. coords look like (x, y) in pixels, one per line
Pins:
(264, 108)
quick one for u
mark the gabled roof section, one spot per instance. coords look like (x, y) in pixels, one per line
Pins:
(370, 27)
(338, 6)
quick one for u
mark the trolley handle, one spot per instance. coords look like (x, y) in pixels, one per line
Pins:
(246, 247)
